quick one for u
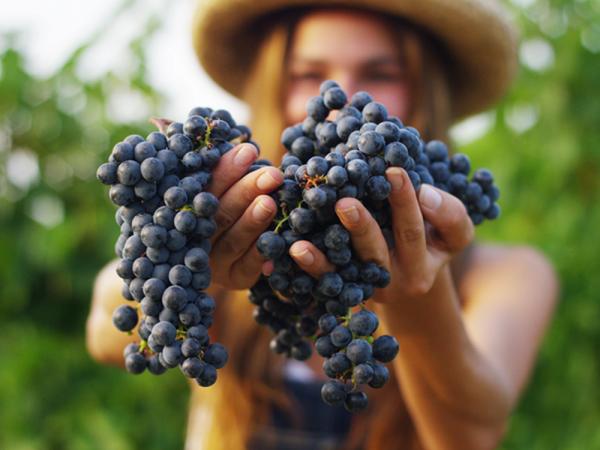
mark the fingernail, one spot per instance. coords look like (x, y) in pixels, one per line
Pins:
(261, 211)
(267, 268)
(350, 215)
(429, 197)
(303, 256)
(245, 155)
(266, 181)
(394, 176)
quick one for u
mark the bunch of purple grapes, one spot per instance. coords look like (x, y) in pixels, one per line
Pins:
(327, 160)
(166, 219)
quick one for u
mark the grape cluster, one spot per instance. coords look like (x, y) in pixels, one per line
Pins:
(327, 160)
(166, 219)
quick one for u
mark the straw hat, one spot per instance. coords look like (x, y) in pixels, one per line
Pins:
(477, 34)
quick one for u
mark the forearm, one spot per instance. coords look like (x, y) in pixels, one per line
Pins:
(455, 396)
(104, 342)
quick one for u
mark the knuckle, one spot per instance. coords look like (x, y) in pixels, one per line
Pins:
(456, 213)
(411, 235)
(231, 246)
(224, 218)
(249, 193)
(469, 234)
(417, 287)
(249, 267)
(455, 218)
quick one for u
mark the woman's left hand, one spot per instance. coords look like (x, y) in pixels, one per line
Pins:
(428, 228)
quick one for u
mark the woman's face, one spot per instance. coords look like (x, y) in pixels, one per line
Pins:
(353, 48)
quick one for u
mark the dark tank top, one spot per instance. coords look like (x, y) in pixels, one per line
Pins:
(321, 427)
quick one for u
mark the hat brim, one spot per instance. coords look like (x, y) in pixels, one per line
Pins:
(478, 36)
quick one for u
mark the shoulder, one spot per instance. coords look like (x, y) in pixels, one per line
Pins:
(519, 257)
(501, 268)
(107, 288)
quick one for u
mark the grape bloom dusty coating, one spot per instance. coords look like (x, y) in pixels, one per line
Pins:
(166, 219)
(325, 161)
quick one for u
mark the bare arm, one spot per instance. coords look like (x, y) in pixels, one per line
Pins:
(104, 342)
(463, 372)
(459, 372)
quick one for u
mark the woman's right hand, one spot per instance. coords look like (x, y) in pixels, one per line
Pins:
(245, 211)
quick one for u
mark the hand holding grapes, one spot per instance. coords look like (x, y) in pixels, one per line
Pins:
(245, 211)
(429, 227)
(192, 192)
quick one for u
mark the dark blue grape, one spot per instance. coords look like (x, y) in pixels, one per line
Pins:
(333, 393)
(216, 355)
(389, 131)
(374, 112)
(271, 245)
(317, 166)
(360, 99)
(356, 401)
(153, 236)
(325, 347)
(192, 367)
(362, 373)
(128, 173)
(143, 151)
(315, 108)
(436, 151)
(302, 220)
(125, 318)
(334, 98)
(122, 151)
(135, 363)
(358, 171)
(460, 163)
(142, 267)
(371, 143)
(195, 126)
(346, 125)
(208, 377)
(107, 173)
(174, 298)
(164, 333)
(380, 376)
(185, 221)
(363, 323)
(385, 348)
(481, 176)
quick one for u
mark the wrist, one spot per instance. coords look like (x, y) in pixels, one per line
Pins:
(417, 315)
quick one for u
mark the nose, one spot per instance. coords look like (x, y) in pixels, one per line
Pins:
(347, 81)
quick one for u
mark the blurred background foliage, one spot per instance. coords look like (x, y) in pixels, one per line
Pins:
(57, 230)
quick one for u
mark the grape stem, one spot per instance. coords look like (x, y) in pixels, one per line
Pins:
(161, 124)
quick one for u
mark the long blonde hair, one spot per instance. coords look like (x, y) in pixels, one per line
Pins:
(251, 382)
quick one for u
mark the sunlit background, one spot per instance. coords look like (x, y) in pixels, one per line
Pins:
(76, 76)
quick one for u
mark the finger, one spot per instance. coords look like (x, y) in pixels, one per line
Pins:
(310, 258)
(365, 233)
(267, 268)
(232, 166)
(408, 226)
(234, 243)
(247, 269)
(238, 197)
(449, 218)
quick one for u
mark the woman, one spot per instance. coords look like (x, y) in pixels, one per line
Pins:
(469, 318)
